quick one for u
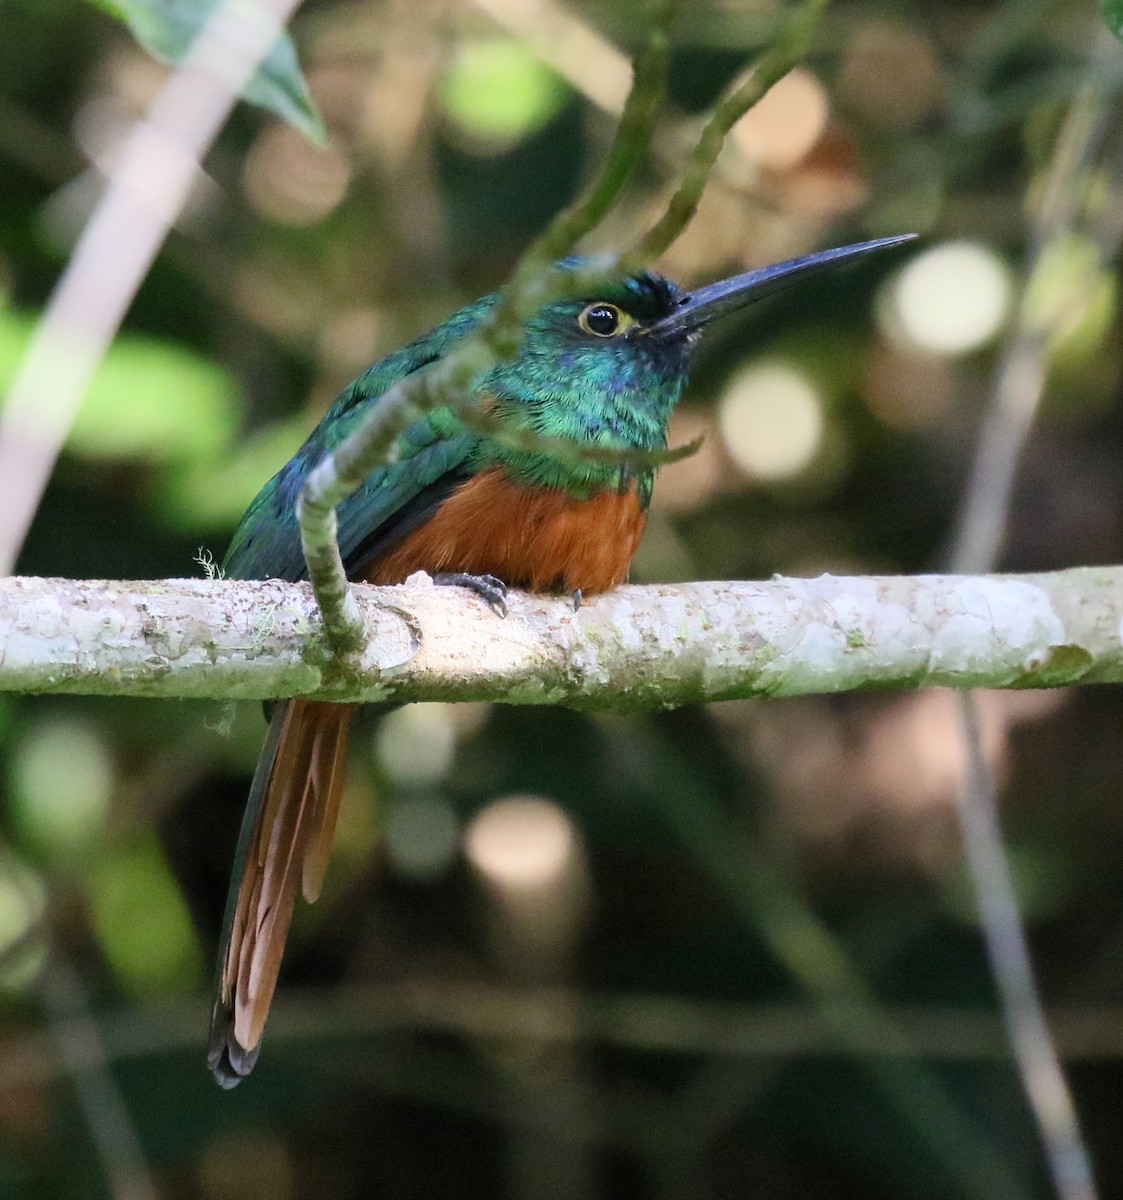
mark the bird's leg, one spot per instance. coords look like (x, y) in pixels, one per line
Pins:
(492, 591)
(577, 596)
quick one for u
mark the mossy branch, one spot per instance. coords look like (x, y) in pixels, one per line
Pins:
(635, 648)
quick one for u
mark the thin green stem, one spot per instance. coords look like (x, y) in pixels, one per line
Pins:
(776, 62)
(630, 147)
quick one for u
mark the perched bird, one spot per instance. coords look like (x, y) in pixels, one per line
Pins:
(603, 371)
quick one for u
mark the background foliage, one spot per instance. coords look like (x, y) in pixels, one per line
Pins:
(557, 954)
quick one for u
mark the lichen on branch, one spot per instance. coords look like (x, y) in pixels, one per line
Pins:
(636, 648)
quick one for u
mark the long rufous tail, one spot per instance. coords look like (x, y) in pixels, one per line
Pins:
(285, 842)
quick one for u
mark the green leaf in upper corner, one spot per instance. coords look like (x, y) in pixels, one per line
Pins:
(1113, 15)
(166, 29)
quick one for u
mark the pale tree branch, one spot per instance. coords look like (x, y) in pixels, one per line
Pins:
(636, 648)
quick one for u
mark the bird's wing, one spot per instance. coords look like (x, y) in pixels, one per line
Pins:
(432, 458)
(393, 499)
(291, 810)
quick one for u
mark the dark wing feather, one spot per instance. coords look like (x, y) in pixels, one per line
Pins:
(266, 544)
(393, 500)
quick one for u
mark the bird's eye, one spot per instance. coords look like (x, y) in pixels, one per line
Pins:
(604, 320)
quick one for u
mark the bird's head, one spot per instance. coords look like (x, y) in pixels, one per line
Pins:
(608, 368)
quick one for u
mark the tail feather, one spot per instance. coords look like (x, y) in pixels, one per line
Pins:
(285, 842)
(327, 767)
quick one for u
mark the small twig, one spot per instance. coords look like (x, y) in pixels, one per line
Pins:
(148, 187)
(79, 1046)
(626, 155)
(777, 61)
(600, 72)
(1016, 394)
(1039, 1063)
(1019, 381)
(565, 450)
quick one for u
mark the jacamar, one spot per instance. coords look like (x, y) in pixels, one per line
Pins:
(603, 371)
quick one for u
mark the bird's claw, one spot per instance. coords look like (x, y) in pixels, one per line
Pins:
(492, 591)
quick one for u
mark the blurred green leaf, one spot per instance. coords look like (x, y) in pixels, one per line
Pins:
(497, 91)
(166, 29)
(1113, 15)
(1072, 296)
(150, 399)
(142, 921)
(212, 491)
(155, 400)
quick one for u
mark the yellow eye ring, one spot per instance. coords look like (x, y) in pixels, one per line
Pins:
(604, 320)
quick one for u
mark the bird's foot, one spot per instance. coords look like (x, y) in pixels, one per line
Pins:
(492, 591)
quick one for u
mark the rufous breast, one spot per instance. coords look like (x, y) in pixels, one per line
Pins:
(541, 539)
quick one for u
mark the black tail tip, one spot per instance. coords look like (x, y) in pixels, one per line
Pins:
(229, 1061)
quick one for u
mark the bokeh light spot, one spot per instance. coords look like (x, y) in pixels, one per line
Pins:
(771, 420)
(498, 93)
(950, 299)
(780, 129)
(520, 842)
(421, 836)
(416, 744)
(61, 782)
(292, 182)
(1072, 296)
(891, 74)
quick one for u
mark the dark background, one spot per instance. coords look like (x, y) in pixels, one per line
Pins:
(562, 955)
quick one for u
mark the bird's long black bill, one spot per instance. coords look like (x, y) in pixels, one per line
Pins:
(699, 307)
